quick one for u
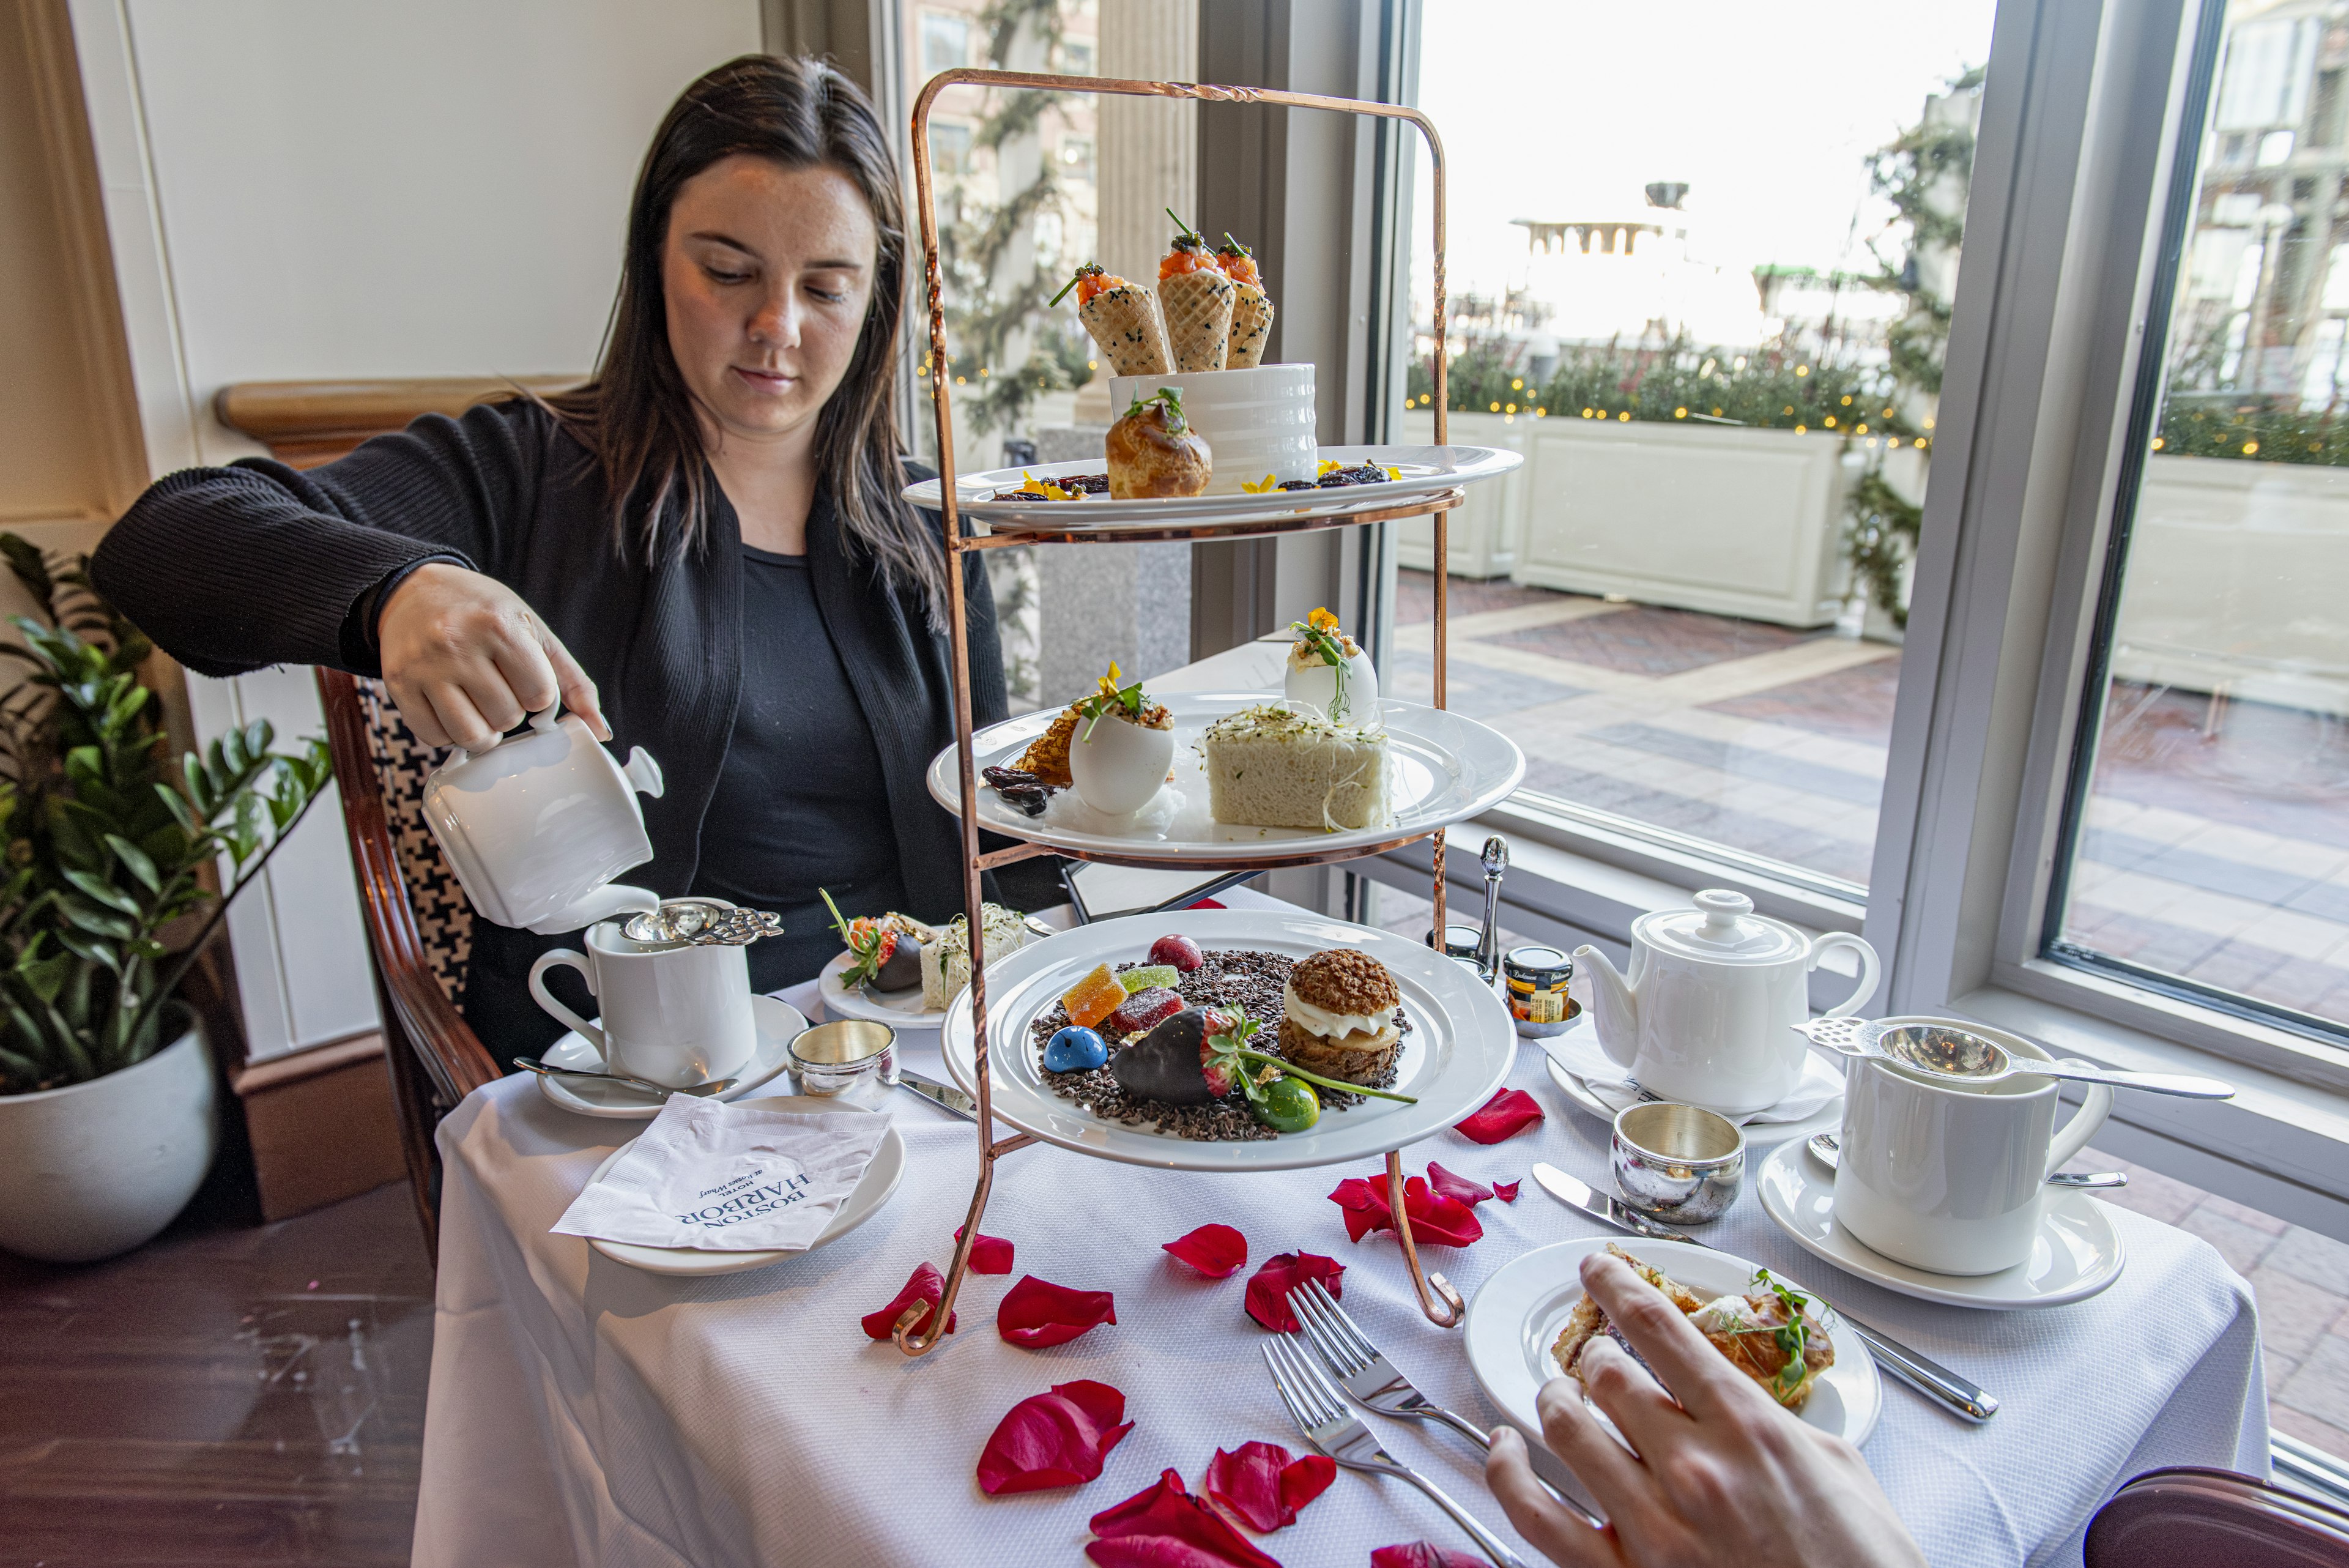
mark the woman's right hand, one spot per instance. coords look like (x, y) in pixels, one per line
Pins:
(467, 659)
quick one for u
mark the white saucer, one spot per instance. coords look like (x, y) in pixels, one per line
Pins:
(898, 1009)
(2077, 1253)
(1518, 1314)
(879, 1180)
(1827, 1118)
(778, 1023)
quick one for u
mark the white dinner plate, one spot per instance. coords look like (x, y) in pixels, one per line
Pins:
(2077, 1253)
(1827, 1118)
(899, 1009)
(778, 1023)
(1442, 768)
(1459, 1050)
(873, 1189)
(1425, 469)
(1518, 1314)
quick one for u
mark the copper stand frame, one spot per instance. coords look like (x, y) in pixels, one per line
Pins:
(1437, 1298)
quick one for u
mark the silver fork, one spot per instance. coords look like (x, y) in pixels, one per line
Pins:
(1333, 1431)
(1361, 1370)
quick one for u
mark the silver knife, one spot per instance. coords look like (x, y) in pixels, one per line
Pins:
(1919, 1372)
(945, 1096)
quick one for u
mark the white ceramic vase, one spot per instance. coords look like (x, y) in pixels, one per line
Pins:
(96, 1169)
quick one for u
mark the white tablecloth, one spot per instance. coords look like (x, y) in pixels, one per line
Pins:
(583, 1412)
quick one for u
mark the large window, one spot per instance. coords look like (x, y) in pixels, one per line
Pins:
(2208, 834)
(1709, 305)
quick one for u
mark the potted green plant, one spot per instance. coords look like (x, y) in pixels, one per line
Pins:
(107, 895)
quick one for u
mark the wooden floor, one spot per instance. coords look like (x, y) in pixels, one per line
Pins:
(232, 1392)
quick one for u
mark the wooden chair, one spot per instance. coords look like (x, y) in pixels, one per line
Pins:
(420, 927)
(2188, 1517)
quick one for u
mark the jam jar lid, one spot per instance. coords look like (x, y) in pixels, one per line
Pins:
(1537, 962)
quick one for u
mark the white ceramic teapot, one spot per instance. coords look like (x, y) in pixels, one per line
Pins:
(537, 826)
(1707, 1016)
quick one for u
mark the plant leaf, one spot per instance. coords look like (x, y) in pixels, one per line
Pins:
(135, 861)
(99, 889)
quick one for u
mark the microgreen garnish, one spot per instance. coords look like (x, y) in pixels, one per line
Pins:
(1169, 398)
(1227, 1050)
(1319, 631)
(869, 941)
(1793, 1336)
(1190, 239)
(1111, 695)
(1230, 247)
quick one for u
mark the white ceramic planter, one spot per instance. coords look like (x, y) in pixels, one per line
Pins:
(92, 1170)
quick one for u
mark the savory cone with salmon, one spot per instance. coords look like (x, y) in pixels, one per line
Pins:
(1251, 306)
(1123, 318)
(1196, 299)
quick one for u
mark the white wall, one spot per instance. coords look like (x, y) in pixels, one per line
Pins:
(307, 188)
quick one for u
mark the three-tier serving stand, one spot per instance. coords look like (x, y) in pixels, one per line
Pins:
(1437, 1298)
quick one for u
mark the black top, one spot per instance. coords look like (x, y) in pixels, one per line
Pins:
(230, 569)
(797, 806)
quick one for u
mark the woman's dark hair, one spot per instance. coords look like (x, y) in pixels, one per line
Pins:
(638, 416)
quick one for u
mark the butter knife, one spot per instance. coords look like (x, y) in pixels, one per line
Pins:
(1961, 1397)
(945, 1096)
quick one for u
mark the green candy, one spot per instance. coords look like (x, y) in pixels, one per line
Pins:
(1135, 979)
(1288, 1106)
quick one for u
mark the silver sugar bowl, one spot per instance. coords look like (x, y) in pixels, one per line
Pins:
(1679, 1164)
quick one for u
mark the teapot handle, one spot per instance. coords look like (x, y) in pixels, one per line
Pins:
(546, 719)
(1865, 990)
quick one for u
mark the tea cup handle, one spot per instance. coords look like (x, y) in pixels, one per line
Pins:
(574, 959)
(2074, 1136)
(1862, 993)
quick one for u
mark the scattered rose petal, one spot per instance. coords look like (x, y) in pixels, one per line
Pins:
(1268, 1287)
(1054, 1439)
(1422, 1554)
(1036, 1313)
(926, 1284)
(1217, 1252)
(989, 1254)
(1452, 1185)
(1435, 1218)
(1507, 1191)
(1505, 1115)
(1164, 1526)
(1265, 1487)
(1205, 904)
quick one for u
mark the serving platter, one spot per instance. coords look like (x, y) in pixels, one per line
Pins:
(1458, 1052)
(1518, 1314)
(1442, 768)
(1425, 469)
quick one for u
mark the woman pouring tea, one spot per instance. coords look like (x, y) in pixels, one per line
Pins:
(702, 551)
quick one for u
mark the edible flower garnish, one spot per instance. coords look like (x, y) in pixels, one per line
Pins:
(1318, 632)
(1229, 1058)
(1127, 699)
(1329, 465)
(1271, 483)
(1045, 488)
(870, 942)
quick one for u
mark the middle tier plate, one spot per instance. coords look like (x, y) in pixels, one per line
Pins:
(1458, 1052)
(1442, 768)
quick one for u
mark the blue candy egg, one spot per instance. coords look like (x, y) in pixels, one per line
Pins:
(1075, 1049)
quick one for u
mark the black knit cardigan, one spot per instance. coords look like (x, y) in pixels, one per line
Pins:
(233, 570)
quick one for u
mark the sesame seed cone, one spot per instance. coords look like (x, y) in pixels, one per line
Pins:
(1124, 322)
(1251, 327)
(1198, 306)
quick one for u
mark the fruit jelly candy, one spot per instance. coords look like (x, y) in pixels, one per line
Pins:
(1143, 979)
(1144, 1008)
(1094, 998)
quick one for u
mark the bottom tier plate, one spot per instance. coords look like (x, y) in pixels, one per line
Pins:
(1458, 1052)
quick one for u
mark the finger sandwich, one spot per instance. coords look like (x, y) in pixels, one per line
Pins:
(1270, 766)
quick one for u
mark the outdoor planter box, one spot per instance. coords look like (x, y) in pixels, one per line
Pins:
(1736, 522)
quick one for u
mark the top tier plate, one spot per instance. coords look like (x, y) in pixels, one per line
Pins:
(1426, 469)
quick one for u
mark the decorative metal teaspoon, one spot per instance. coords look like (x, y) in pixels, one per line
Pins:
(1950, 1051)
(698, 923)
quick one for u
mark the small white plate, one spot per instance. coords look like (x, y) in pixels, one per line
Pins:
(2077, 1254)
(1519, 1313)
(1425, 469)
(1442, 768)
(778, 1023)
(1827, 1118)
(882, 1174)
(900, 1009)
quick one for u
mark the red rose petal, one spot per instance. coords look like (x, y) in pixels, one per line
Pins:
(989, 1254)
(1507, 1191)
(1422, 1554)
(1036, 1313)
(1268, 1287)
(1436, 1218)
(1505, 1115)
(1217, 1252)
(1455, 1186)
(1264, 1487)
(1163, 1526)
(1303, 1480)
(926, 1284)
(1054, 1439)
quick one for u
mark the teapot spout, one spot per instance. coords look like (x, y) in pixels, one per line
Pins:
(613, 898)
(1614, 1008)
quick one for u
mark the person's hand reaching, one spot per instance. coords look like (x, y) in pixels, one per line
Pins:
(1723, 1476)
(467, 659)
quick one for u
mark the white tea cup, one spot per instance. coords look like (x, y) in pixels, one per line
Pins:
(675, 1014)
(1948, 1176)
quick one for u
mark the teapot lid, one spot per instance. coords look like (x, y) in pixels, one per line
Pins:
(1722, 929)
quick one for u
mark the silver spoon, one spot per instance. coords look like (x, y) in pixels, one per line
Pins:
(533, 1064)
(1950, 1052)
(1830, 1154)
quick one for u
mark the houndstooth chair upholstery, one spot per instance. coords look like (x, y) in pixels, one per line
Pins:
(420, 926)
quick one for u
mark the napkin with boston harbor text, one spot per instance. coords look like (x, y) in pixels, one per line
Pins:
(729, 1179)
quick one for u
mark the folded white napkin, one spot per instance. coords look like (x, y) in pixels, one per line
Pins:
(727, 1178)
(1579, 1052)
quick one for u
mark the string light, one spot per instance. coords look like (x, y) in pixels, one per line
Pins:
(1680, 413)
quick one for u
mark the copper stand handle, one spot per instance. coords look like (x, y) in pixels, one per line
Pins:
(1431, 1288)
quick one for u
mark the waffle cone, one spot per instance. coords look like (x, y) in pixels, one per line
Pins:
(1124, 323)
(1251, 328)
(1198, 306)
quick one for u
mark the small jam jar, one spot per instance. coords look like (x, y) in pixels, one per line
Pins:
(1536, 978)
(1459, 942)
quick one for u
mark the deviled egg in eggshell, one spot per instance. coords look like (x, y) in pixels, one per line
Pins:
(1329, 673)
(1122, 748)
